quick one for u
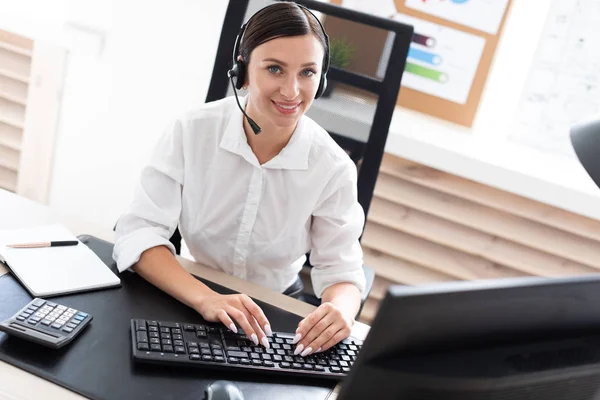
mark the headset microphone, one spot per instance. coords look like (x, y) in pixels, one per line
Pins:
(255, 128)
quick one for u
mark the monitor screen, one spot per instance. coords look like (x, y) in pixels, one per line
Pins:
(517, 339)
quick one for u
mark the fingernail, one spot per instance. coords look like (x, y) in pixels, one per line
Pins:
(298, 349)
(318, 350)
(268, 330)
(306, 351)
(233, 327)
(297, 338)
(254, 338)
(265, 342)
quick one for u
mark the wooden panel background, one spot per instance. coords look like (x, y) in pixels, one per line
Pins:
(370, 43)
(427, 226)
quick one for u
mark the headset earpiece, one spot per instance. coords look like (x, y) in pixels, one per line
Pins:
(322, 85)
(239, 72)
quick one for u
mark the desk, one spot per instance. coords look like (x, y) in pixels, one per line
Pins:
(18, 212)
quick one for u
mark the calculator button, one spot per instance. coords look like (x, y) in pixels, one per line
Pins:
(46, 322)
(51, 304)
(56, 326)
(39, 314)
(38, 302)
(68, 330)
(68, 314)
(72, 310)
(31, 310)
(32, 322)
(72, 326)
(21, 318)
(61, 308)
(79, 318)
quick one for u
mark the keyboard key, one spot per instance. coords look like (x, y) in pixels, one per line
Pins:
(335, 369)
(267, 363)
(143, 346)
(178, 342)
(155, 347)
(153, 334)
(165, 330)
(344, 364)
(319, 368)
(296, 365)
(141, 337)
(285, 365)
(279, 340)
(192, 344)
(256, 362)
(140, 325)
(206, 357)
(238, 354)
(345, 369)
(169, 324)
(166, 342)
(219, 359)
(167, 349)
(206, 352)
(255, 356)
(308, 367)
(233, 360)
(189, 327)
(245, 361)
(154, 340)
(266, 357)
(193, 350)
(195, 357)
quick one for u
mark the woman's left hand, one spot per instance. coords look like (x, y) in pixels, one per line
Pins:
(322, 329)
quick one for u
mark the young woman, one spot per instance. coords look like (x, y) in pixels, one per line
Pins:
(252, 205)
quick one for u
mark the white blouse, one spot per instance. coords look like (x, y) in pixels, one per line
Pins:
(253, 221)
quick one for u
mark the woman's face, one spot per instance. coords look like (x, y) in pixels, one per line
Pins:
(283, 77)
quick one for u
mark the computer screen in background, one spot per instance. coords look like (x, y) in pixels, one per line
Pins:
(517, 339)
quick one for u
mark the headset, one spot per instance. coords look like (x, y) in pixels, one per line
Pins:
(239, 66)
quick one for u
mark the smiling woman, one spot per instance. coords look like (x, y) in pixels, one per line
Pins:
(252, 205)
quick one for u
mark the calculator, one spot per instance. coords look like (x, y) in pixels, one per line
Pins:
(46, 323)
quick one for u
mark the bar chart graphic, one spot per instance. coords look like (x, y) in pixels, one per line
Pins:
(441, 61)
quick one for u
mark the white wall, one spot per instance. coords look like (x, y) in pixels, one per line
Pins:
(133, 65)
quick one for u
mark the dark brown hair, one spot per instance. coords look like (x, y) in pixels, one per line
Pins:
(279, 20)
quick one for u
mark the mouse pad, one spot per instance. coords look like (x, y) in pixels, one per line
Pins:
(98, 364)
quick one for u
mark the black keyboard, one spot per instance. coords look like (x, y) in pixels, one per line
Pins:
(214, 346)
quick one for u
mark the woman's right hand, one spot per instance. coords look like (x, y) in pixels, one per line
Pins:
(248, 315)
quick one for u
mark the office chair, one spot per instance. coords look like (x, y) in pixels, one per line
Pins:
(585, 138)
(358, 111)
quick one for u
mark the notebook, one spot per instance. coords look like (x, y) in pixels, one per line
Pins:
(52, 271)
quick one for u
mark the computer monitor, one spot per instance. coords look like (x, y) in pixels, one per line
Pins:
(517, 339)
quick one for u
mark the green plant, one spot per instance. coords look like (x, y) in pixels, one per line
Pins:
(340, 52)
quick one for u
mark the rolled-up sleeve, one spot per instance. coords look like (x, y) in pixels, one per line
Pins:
(337, 223)
(154, 213)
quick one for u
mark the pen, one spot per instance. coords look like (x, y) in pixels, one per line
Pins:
(44, 244)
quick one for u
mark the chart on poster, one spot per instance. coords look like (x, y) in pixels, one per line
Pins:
(563, 87)
(484, 15)
(441, 61)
